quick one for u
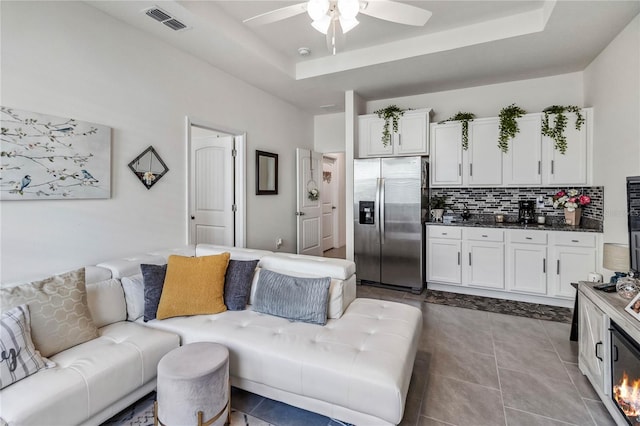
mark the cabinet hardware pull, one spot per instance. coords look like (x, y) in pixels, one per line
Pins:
(596, 351)
(575, 241)
(459, 169)
(470, 169)
(458, 258)
(552, 172)
(544, 266)
(469, 258)
(558, 267)
(399, 139)
(539, 166)
(484, 236)
(528, 238)
(444, 233)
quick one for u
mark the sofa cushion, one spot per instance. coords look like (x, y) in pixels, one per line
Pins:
(133, 288)
(153, 278)
(193, 286)
(237, 283)
(313, 265)
(106, 302)
(60, 316)
(294, 298)
(237, 253)
(19, 357)
(90, 377)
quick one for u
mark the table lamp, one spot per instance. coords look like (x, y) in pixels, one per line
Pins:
(616, 258)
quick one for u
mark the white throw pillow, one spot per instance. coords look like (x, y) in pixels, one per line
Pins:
(133, 287)
(106, 302)
(19, 357)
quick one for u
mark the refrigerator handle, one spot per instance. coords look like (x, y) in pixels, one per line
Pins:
(376, 209)
(381, 208)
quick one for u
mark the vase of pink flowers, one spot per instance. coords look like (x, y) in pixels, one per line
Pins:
(572, 202)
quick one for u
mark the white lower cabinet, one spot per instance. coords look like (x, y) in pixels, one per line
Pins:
(483, 257)
(592, 342)
(538, 263)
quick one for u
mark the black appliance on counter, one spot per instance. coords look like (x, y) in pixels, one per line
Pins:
(526, 211)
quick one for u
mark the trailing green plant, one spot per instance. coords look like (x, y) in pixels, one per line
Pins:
(438, 202)
(391, 115)
(464, 118)
(509, 125)
(557, 131)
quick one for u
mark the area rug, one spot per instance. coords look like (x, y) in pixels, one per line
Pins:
(141, 414)
(500, 306)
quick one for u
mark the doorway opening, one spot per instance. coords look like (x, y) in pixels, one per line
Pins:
(333, 205)
(216, 206)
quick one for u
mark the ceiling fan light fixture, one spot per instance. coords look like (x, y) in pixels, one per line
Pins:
(348, 24)
(317, 9)
(349, 8)
(322, 24)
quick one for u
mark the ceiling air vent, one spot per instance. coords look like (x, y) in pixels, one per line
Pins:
(163, 17)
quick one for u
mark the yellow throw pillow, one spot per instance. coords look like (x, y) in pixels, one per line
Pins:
(193, 286)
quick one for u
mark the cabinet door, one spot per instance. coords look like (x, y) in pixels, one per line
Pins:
(523, 161)
(592, 325)
(569, 264)
(484, 264)
(527, 268)
(445, 165)
(443, 261)
(484, 158)
(569, 168)
(370, 137)
(412, 134)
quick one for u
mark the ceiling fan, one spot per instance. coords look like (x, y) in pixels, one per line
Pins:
(336, 17)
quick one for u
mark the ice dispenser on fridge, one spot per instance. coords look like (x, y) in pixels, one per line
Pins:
(367, 216)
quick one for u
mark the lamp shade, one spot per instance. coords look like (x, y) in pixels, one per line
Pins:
(616, 257)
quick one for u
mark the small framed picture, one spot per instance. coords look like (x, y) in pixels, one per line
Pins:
(634, 307)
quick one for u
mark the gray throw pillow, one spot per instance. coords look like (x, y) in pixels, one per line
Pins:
(237, 283)
(153, 278)
(294, 298)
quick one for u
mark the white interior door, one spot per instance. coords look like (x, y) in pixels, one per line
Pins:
(328, 195)
(212, 190)
(309, 210)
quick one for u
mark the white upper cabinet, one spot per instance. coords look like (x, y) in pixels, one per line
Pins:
(523, 161)
(483, 165)
(445, 165)
(411, 139)
(572, 167)
(530, 161)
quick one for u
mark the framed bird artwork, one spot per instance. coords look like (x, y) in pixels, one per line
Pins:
(43, 157)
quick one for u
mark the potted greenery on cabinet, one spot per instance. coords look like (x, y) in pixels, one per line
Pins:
(560, 123)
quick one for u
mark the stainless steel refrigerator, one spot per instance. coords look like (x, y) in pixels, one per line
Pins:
(388, 221)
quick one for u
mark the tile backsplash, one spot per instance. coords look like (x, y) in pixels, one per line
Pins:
(483, 201)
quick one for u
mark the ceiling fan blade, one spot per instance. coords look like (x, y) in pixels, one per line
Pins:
(277, 14)
(395, 12)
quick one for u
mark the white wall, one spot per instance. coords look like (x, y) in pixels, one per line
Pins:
(486, 101)
(72, 60)
(612, 87)
(328, 133)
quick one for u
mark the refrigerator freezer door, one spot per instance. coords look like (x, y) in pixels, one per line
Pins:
(366, 174)
(402, 241)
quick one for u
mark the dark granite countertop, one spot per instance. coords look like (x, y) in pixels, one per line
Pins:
(553, 224)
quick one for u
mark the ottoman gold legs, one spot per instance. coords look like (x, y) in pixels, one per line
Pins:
(201, 421)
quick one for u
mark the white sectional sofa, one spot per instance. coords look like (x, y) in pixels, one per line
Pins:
(356, 368)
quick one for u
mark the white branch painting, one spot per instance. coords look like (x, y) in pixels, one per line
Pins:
(43, 157)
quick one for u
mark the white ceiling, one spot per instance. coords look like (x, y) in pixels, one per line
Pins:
(464, 44)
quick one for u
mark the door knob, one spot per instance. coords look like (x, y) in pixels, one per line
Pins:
(193, 218)
(299, 213)
(333, 207)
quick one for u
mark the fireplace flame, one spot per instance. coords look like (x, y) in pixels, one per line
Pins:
(628, 396)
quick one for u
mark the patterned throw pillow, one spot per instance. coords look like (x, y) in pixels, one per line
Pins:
(153, 278)
(294, 298)
(237, 283)
(193, 286)
(19, 357)
(60, 316)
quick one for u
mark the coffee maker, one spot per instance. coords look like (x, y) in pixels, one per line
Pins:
(526, 211)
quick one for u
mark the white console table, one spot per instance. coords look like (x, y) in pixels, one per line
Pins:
(596, 311)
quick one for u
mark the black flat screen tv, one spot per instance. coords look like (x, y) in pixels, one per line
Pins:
(633, 221)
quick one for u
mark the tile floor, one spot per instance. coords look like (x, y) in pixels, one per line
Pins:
(476, 368)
